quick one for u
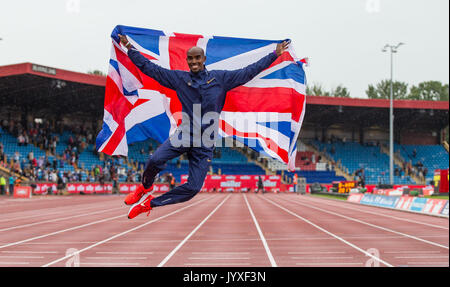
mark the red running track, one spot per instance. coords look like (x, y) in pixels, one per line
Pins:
(232, 230)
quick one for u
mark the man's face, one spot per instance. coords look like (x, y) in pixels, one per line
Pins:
(196, 59)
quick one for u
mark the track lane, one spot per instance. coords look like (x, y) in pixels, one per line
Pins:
(434, 234)
(296, 242)
(144, 243)
(228, 238)
(381, 238)
(389, 214)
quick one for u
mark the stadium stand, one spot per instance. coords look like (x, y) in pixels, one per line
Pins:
(424, 158)
(356, 157)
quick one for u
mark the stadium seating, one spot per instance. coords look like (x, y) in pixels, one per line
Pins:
(10, 147)
(355, 156)
(431, 156)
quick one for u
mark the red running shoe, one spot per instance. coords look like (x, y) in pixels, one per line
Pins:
(135, 196)
(142, 206)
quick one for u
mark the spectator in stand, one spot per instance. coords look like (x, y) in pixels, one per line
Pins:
(20, 140)
(12, 180)
(16, 156)
(2, 185)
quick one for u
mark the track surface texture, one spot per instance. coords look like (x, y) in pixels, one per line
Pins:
(217, 230)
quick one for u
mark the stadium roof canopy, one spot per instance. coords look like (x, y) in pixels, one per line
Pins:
(409, 114)
(47, 91)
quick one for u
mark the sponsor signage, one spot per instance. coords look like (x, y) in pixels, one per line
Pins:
(445, 209)
(380, 200)
(75, 188)
(355, 197)
(238, 183)
(434, 206)
(418, 204)
(405, 202)
(88, 188)
(22, 192)
(43, 69)
(42, 188)
(131, 187)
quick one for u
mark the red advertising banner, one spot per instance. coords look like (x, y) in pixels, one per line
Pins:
(131, 187)
(42, 188)
(89, 188)
(74, 188)
(239, 183)
(22, 191)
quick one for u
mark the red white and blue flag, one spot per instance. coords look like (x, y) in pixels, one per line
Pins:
(265, 114)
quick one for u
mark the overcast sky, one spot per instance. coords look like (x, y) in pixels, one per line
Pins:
(343, 38)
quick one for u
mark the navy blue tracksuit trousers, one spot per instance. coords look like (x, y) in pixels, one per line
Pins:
(199, 163)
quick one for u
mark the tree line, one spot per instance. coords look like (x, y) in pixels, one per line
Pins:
(425, 91)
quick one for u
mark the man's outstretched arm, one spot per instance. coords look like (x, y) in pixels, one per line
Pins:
(233, 79)
(163, 76)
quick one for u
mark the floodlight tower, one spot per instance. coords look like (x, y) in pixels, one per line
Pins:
(393, 49)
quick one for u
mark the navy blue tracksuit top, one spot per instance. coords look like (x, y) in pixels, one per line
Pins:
(205, 90)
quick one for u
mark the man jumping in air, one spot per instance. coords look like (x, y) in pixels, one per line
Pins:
(202, 95)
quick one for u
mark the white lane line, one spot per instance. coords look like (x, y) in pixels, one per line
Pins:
(123, 233)
(379, 213)
(29, 252)
(444, 264)
(373, 225)
(109, 264)
(123, 253)
(231, 264)
(57, 219)
(20, 256)
(121, 258)
(424, 257)
(219, 258)
(317, 252)
(329, 233)
(164, 261)
(221, 253)
(261, 235)
(411, 251)
(14, 263)
(328, 264)
(321, 258)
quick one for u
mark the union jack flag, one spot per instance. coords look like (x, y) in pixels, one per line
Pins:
(265, 114)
